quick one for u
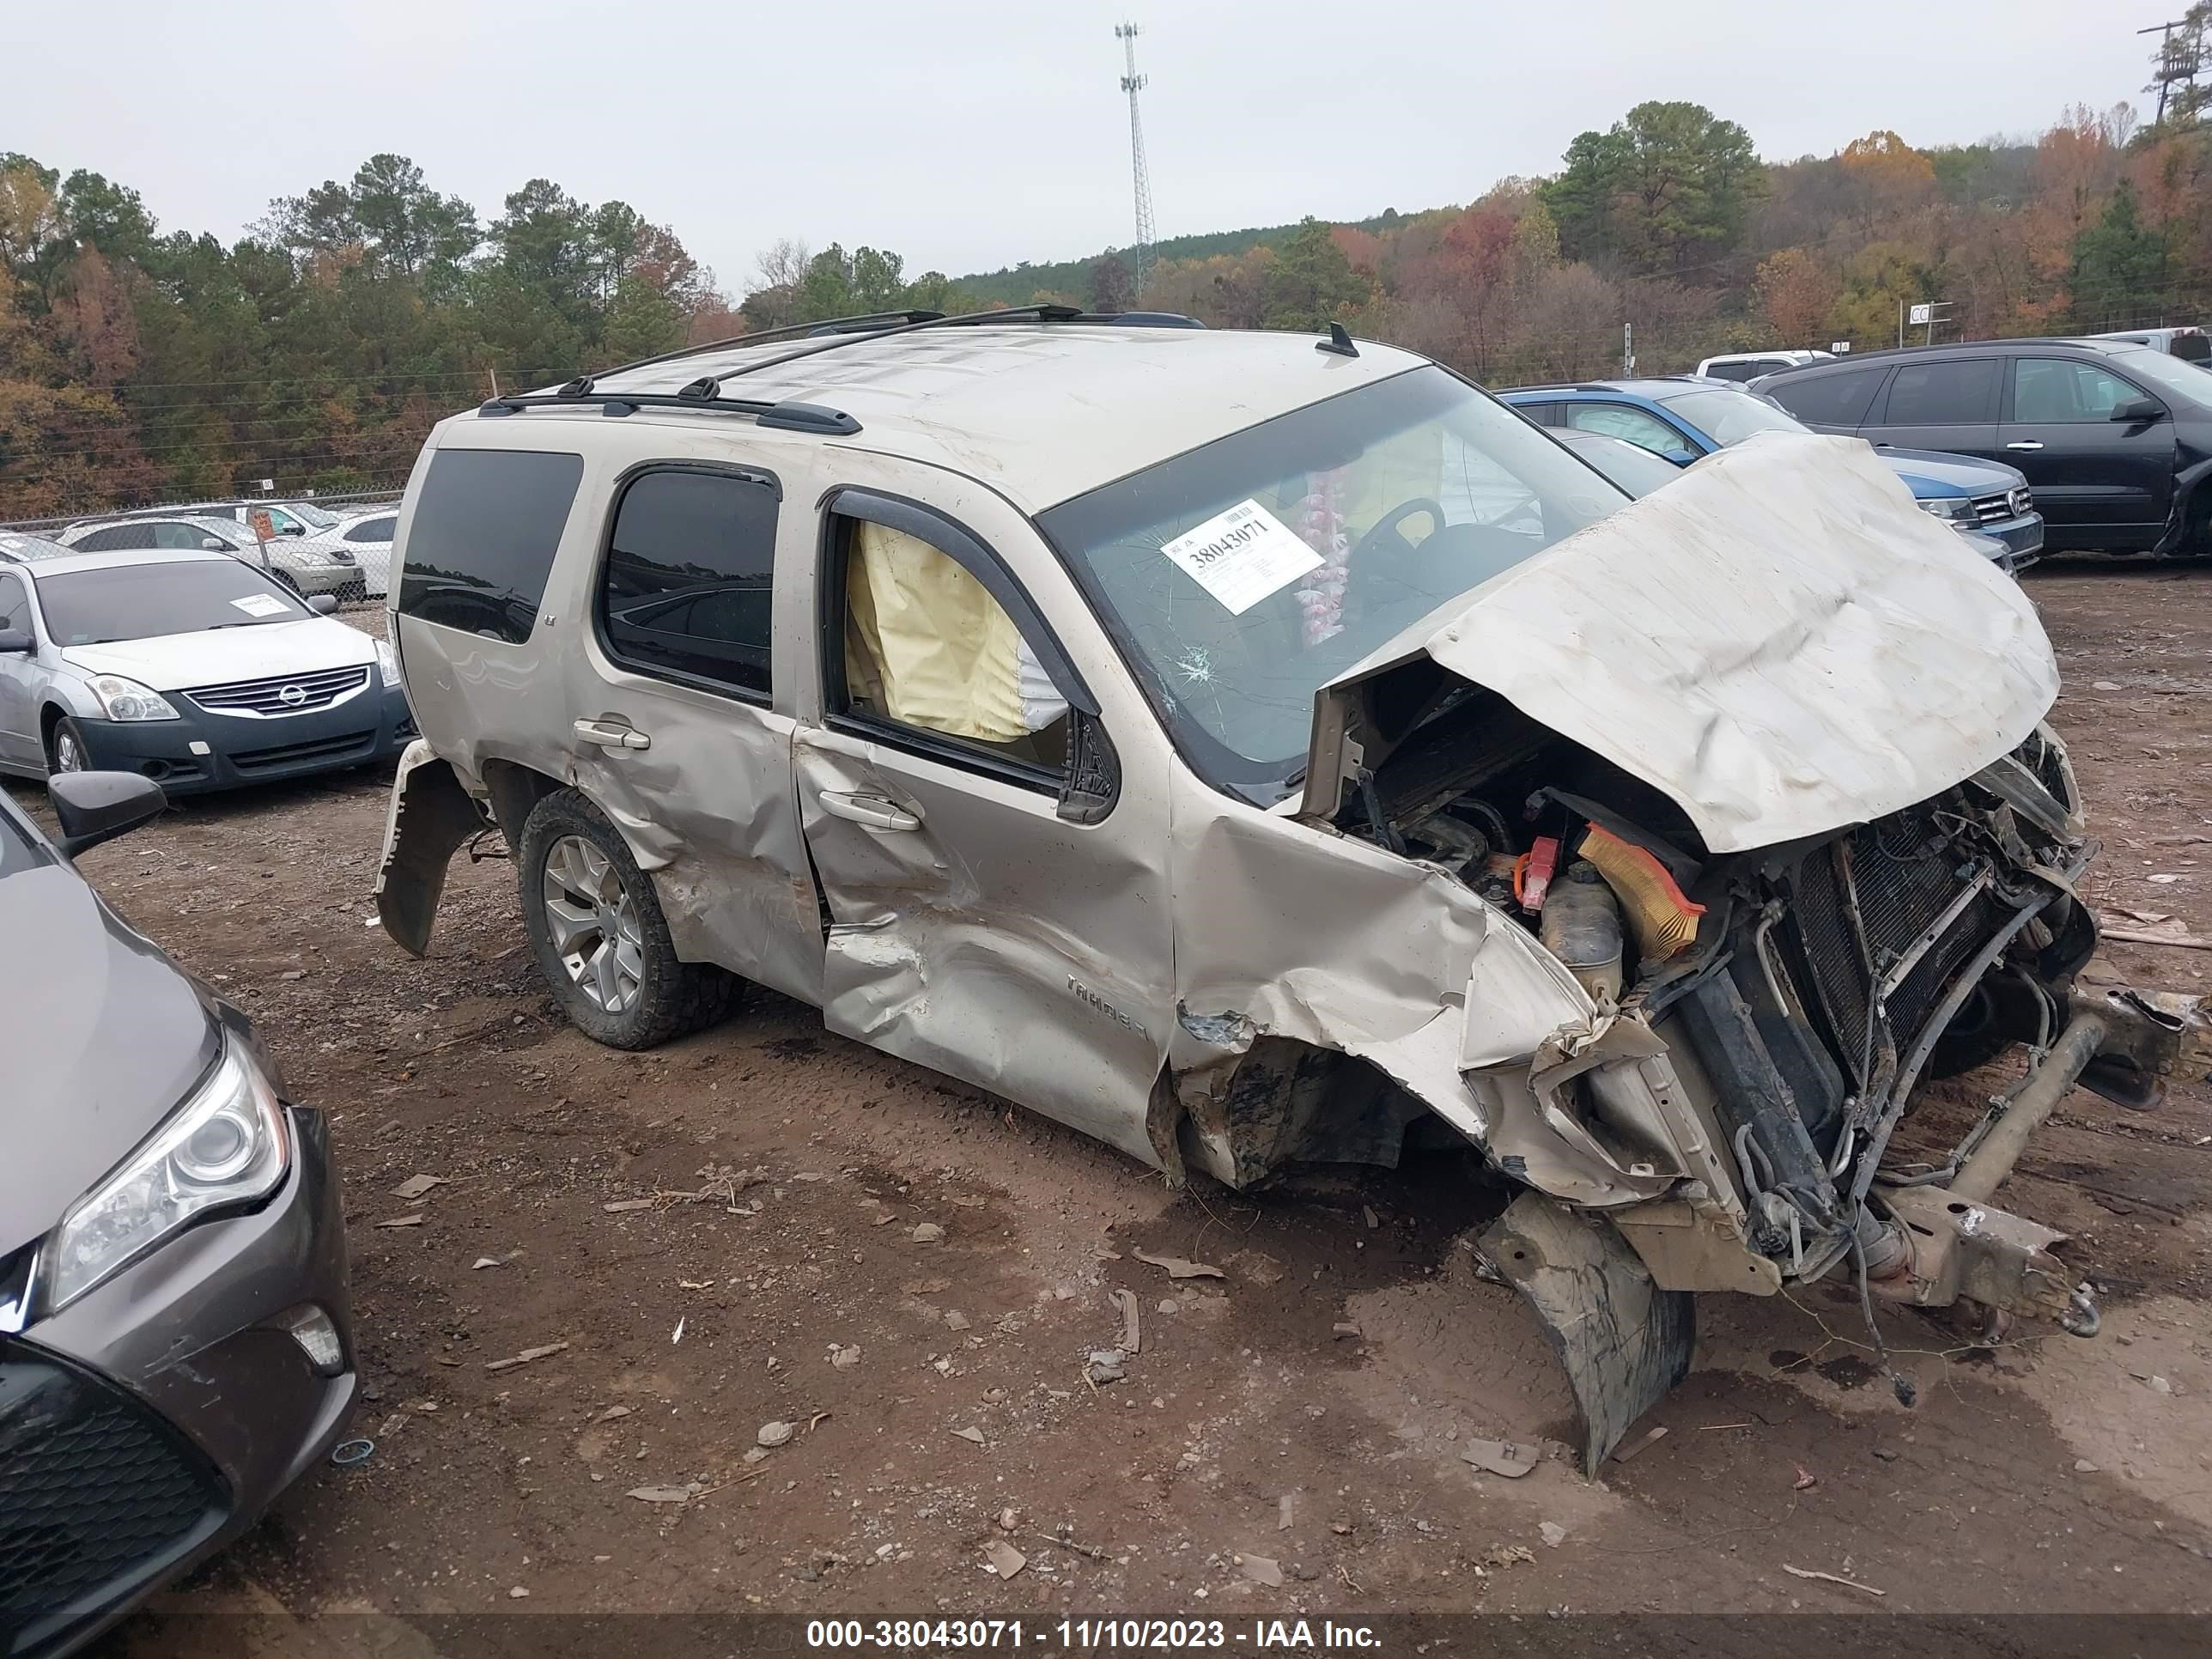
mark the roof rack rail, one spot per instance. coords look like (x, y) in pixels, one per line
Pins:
(858, 323)
(705, 392)
(701, 394)
(1047, 312)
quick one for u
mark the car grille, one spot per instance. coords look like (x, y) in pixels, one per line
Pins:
(2004, 504)
(1907, 881)
(97, 1495)
(289, 693)
(347, 746)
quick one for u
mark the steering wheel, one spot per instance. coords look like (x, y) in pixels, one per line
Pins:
(1392, 520)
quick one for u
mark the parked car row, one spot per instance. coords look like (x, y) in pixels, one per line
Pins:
(188, 667)
(2114, 437)
(1684, 419)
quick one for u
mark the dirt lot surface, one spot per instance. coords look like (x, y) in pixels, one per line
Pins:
(911, 1273)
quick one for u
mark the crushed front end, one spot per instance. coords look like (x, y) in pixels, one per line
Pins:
(1761, 1020)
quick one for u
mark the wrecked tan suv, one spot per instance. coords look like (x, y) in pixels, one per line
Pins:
(1248, 750)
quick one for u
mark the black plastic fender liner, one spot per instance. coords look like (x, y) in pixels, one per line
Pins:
(1624, 1342)
(430, 816)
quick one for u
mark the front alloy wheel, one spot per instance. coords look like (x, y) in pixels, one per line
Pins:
(593, 924)
(69, 754)
(597, 934)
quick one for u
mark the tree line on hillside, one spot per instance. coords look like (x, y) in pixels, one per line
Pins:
(318, 348)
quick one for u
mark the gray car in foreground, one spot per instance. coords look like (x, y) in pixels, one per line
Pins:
(175, 1341)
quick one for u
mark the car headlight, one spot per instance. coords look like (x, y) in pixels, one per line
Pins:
(387, 661)
(1957, 509)
(225, 1146)
(127, 700)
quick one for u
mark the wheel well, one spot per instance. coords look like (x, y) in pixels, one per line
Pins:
(49, 717)
(514, 789)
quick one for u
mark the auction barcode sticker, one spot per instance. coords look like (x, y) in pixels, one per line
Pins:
(1242, 555)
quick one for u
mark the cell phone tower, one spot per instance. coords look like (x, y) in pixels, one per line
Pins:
(1131, 82)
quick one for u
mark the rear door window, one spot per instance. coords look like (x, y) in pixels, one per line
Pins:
(486, 527)
(685, 589)
(1637, 426)
(1828, 399)
(1955, 393)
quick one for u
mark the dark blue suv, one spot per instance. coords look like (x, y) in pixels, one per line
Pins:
(1686, 418)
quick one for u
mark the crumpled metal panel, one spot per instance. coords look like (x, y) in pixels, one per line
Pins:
(1780, 641)
(1284, 930)
(995, 941)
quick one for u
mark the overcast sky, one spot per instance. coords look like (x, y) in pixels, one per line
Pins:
(967, 136)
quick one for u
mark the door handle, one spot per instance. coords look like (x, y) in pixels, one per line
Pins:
(2025, 443)
(608, 734)
(873, 811)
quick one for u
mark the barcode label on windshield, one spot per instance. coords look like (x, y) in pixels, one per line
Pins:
(1242, 555)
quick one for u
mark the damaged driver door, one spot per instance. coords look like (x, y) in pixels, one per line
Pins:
(997, 890)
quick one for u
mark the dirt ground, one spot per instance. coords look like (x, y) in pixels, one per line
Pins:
(1306, 1407)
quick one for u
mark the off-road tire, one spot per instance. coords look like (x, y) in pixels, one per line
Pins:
(674, 997)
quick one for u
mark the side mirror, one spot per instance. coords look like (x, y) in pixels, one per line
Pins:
(93, 807)
(14, 643)
(1093, 782)
(213, 544)
(322, 605)
(293, 529)
(2137, 409)
(1679, 457)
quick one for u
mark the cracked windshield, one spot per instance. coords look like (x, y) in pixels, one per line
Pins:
(1246, 574)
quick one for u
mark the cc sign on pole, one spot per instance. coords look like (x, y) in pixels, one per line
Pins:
(1921, 316)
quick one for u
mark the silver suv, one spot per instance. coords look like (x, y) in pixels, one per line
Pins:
(1250, 750)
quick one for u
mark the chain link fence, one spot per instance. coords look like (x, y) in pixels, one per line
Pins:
(345, 506)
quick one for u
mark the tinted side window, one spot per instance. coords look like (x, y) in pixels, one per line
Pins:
(372, 530)
(1827, 399)
(181, 535)
(686, 586)
(1940, 394)
(1736, 372)
(486, 526)
(2057, 391)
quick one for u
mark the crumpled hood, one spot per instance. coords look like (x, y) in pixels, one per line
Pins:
(102, 1036)
(1779, 640)
(178, 662)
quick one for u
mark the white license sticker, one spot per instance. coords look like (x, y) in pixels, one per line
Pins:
(261, 604)
(1242, 555)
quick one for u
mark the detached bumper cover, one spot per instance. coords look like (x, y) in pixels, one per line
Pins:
(373, 726)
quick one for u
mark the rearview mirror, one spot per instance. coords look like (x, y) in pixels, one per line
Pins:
(322, 605)
(13, 641)
(93, 807)
(2140, 409)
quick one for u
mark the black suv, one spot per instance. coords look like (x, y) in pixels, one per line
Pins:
(2116, 439)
